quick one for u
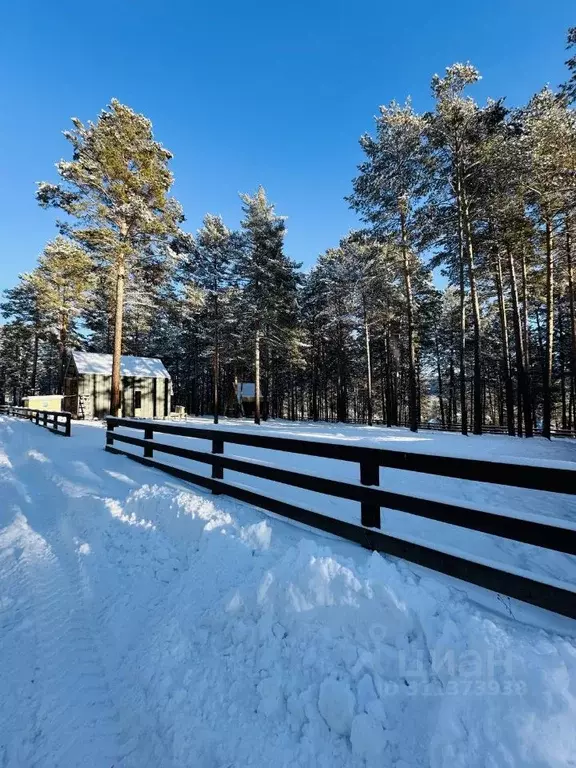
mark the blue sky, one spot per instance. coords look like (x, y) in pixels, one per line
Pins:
(246, 93)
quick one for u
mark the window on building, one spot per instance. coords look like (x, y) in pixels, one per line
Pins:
(137, 399)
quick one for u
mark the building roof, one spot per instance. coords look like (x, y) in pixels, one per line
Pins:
(143, 367)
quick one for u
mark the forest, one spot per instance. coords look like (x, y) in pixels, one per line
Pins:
(453, 301)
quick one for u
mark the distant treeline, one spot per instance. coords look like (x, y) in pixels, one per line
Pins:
(484, 193)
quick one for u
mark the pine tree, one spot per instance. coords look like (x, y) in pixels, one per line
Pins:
(16, 354)
(115, 189)
(268, 279)
(455, 131)
(61, 282)
(22, 306)
(387, 193)
(507, 238)
(210, 264)
(549, 144)
(334, 280)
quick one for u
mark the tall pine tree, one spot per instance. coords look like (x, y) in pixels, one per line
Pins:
(115, 189)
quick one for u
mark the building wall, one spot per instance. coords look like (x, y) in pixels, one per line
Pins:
(95, 391)
(147, 389)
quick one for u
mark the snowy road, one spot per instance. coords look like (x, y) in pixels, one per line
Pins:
(143, 623)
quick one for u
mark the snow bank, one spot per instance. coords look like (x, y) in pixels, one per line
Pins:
(146, 624)
(276, 651)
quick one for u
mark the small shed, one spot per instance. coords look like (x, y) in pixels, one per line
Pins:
(145, 386)
(43, 402)
(246, 397)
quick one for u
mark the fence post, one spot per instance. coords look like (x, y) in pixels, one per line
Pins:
(148, 435)
(109, 437)
(45, 419)
(68, 425)
(370, 475)
(217, 472)
(37, 418)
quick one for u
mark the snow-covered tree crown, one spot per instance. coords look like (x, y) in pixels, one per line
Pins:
(116, 186)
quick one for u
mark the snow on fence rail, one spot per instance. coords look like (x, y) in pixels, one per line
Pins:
(55, 421)
(492, 429)
(487, 429)
(549, 594)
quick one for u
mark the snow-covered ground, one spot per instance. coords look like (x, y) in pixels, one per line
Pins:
(145, 623)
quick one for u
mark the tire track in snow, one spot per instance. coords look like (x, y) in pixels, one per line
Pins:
(90, 713)
(18, 703)
(76, 723)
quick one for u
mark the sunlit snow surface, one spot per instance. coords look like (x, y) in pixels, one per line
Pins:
(146, 623)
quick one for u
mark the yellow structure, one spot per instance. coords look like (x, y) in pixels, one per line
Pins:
(44, 402)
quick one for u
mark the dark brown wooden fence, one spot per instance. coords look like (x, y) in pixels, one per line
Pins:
(549, 534)
(55, 421)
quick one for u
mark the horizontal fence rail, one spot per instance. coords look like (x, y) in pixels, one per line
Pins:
(550, 535)
(58, 422)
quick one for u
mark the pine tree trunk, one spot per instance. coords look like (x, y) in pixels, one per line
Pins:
(439, 369)
(216, 364)
(293, 415)
(525, 327)
(463, 408)
(315, 413)
(561, 337)
(520, 409)
(368, 367)
(549, 346)
(257, 377)
(389, 416)
(196, 378)
(117, 348)
(388, 373)
(395, 388)
(477, 407)
(34, 364)
(341, 380)
(527, 346)
(315, 352)
(382, 382)
(62, 349)
(412, 398)
(518, 344)
(452, 389)
(419, 392)
(266, 394)
(571, 304)
(541, 353)
(508, 387)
